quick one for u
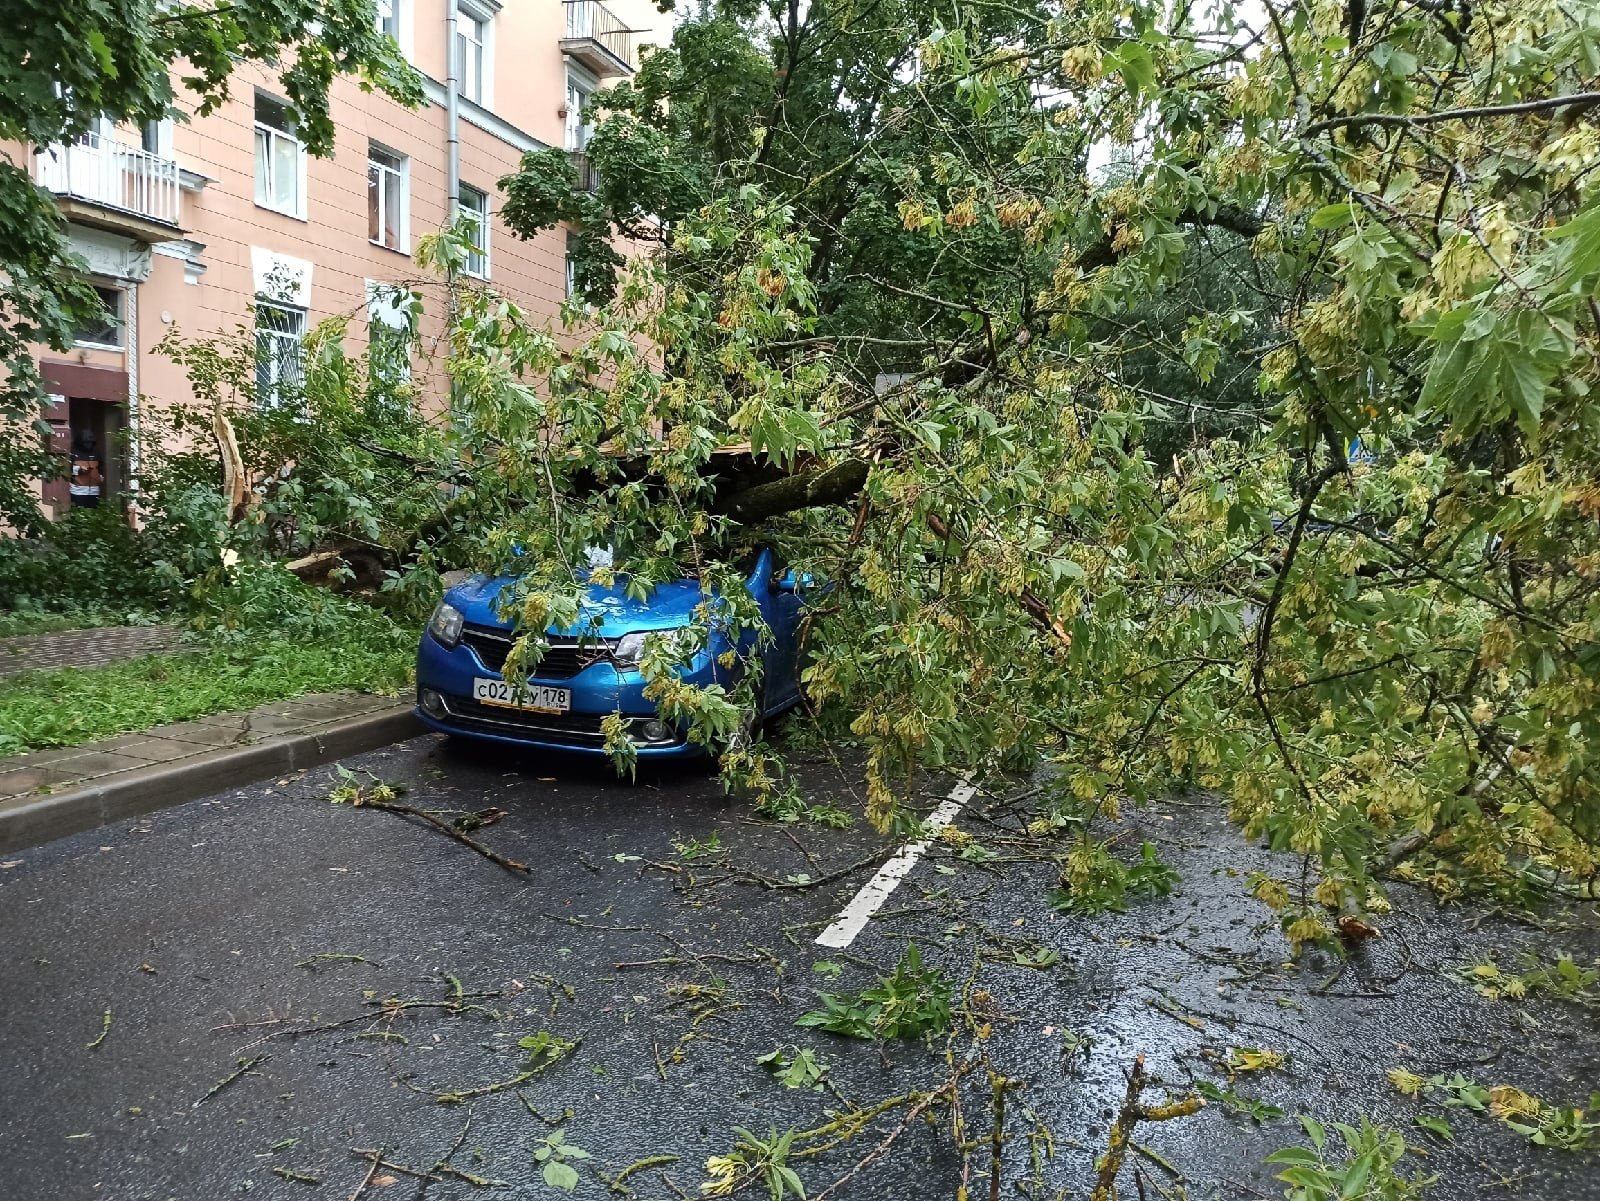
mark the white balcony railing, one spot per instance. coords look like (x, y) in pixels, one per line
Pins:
(591, 21)
(105, 172)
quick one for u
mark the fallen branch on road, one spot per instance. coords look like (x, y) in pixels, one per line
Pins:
(1131, 1114)
(615, 1183)
(376, 1158)
(745, 876)
(511, 865)
(552, 1053)
(371, 1172)
(379, 795)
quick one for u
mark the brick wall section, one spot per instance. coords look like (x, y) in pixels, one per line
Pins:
(84, 648)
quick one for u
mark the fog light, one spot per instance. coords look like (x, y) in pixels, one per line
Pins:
(656, 731)
(432, 703)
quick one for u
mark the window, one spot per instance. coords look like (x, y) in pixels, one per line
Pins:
(386, 198)
(105, 328)
(394, 19)
(578, 125)
(155, 137)
(280, 328)
(391, 317)
(572, 264)
(475, 213)
(474, 52)
(280, 159)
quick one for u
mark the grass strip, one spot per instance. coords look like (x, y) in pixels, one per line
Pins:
(73, 705)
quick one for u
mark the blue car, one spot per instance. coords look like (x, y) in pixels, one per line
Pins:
(583, 679)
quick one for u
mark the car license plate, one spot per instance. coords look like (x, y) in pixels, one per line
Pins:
(534, 698)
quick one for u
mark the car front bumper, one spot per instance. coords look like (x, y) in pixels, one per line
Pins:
(444, 703)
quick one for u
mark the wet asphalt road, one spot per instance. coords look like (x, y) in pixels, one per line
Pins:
(265, 929)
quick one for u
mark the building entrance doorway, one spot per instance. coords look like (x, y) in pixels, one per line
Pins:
(88, 417)
(96, 472)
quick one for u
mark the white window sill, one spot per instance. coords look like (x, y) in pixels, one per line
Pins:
(298, 216)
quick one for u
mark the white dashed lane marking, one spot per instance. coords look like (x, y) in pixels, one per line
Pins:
(854, 916)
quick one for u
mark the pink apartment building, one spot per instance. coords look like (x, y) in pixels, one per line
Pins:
(189, 223)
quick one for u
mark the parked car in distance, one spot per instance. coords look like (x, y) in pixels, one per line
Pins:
(583, 679)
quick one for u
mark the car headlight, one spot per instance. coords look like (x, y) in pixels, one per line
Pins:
(445, 624)
(629, 650)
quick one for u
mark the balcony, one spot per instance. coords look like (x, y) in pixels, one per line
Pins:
(588, 180)
(597, 39)
(106, 184)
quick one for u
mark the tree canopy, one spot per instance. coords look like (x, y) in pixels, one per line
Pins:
(1260, 458)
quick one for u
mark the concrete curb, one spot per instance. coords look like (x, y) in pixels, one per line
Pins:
(162, 785)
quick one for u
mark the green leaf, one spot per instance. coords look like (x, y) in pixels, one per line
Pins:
(1435, 1125)
(1314, 1130)
(1333, 216)
(559, 1175)
(1522, 386)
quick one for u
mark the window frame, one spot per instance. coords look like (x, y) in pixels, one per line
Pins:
(399, 18)
(480, 219)
(155, 138)
(267, 393)
(572, 269)
(117, 313)
(577, 132)
(384, 299)
(481, 18)
(273, 134)
(399, 167)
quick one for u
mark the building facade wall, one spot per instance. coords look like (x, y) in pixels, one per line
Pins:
(202, 281)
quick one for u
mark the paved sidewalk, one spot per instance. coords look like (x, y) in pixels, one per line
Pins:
(47, 794)
(85, 648)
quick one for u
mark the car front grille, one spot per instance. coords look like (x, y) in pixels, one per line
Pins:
(565, 658)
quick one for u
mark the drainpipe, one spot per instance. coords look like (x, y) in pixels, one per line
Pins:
(130, 357)
(452, 142)
(452, 114)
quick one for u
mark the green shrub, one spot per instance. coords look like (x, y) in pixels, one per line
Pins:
(89, 561)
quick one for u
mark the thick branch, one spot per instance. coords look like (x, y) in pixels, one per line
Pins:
(1246, 225)
(829, 486)
(1550, 104)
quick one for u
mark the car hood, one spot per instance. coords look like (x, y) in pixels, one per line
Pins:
(668, 606)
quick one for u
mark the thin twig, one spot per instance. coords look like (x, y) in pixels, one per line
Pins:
(745, 875)
(511, 865)
(615, 1183)
(105, 1029)
(882, 1148)
(371, 1172)
(245, 1066)
(379, 1161)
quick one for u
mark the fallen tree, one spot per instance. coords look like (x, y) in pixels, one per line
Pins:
(1360, 602)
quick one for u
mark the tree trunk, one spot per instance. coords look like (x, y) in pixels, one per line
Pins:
(829, 486)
